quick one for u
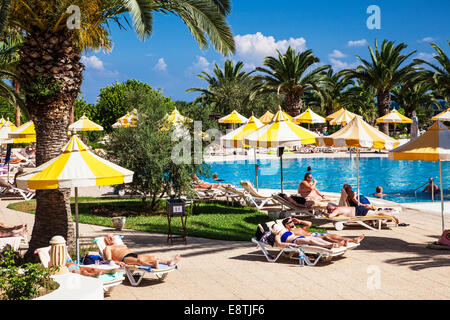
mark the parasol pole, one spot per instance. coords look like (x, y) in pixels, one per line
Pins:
(256, 169)
(77, 228)
(280, 151)
(442, 196)
(357, 171)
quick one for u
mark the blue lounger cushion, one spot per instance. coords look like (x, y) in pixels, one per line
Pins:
(162, 267)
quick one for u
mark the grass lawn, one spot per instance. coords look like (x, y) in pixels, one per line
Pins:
(212, 220)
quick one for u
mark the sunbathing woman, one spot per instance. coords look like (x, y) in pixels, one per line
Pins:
(297, 201)
(335, 211)
(200, 184)
(289, 224)
(308, 190)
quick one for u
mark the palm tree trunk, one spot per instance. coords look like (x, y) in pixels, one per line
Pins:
(17, 85)
(294, 104)
(50, 70)
(384, 103)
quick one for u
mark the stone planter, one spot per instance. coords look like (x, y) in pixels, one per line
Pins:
(118, 222)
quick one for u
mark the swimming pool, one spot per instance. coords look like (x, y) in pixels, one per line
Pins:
(398, 178)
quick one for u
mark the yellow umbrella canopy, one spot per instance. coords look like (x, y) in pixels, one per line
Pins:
(335, 114)
(2, 121)
(309, 117)
(394, 117)
(343, 118)
(26, 133)
(233, 117)
(5, 130)
(128, 120)
(85, 124)
(443, 116)
(266, 117)
(433, 145)
(177, 118)
(235, 138)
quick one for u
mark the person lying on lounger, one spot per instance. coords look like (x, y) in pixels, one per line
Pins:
(297, 201)
(12, 231)
(335, 211)
(88, 271)
(363, 205)
(200, 184)
(122, 255)
(290, 225)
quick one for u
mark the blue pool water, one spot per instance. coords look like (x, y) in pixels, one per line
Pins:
(398, 178)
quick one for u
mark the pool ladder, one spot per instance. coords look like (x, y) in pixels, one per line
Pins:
(432, 186)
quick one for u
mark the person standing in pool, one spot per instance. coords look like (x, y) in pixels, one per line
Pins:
(431, 186)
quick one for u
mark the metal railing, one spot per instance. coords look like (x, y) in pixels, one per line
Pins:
(432, 188)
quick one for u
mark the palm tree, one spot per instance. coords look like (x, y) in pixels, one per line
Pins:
(384, 72)
(291, 75)
(413, 96)
(50, 71)
(440, 78)
(225, 87)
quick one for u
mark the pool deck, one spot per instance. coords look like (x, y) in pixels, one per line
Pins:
(393, 263)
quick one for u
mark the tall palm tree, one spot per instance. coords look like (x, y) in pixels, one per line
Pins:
(50, 70)
(413, 96)
(384, 72)
(440, 76)
(291, 75)
(224, 89)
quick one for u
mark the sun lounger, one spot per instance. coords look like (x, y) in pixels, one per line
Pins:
(254, 197)
(236, 195)
(298, 209)
(135, 274)
(13, 242)
(109, 280)
(300, 252)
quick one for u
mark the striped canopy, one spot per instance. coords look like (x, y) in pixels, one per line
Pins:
(75, 167)
(443, 116)
(235, 138)
(281, 132)
(177, 118)
(343, 118)
(309, 116)
(84, 124)
(2, 121)
(433, 145)
(335, 114)
(5, 130)
(128, 120)
(394, 117)
(266, 117)
(24, 134)
(233, 117)
(360, 134)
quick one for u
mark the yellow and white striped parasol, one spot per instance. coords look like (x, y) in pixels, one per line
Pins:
(176, 118)
(281, 132)
(5, 130)
(2, 121)
(84, 124)
(358, 134)
(26, 133)
(334, 114)
(128, 120)
(433, 145)
(343, 118)
(443, 116)
(75, 167)
(394, 117)
(309, 117)
(235, 138)
(233, 117)
(266, 117)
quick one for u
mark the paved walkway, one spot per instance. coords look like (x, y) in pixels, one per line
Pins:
(390, 264)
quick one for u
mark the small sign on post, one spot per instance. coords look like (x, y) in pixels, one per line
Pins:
(176, 208)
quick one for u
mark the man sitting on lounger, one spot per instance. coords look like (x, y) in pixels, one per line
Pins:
(12, 231)
(122, 255)
(308, 190)
(290, 225)
(335, 211)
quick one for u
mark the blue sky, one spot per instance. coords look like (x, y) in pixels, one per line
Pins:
(336, 31)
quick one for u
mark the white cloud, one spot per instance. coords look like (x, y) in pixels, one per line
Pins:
(337, 54)
(253, 48)
(339, 65)
(357, 43)
(425, 56)
(161, 65)
(201, 64)
(427, 39)
(93, 62)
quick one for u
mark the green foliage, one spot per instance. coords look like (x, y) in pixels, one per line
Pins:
(114, 102)
(147, 148)
(42, 87)
(9, 111)
(22, 282)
